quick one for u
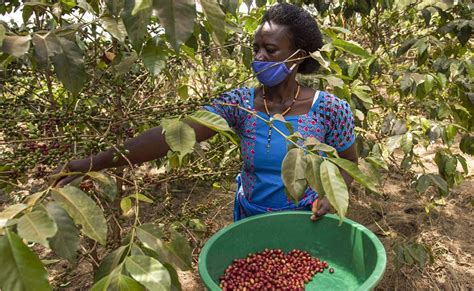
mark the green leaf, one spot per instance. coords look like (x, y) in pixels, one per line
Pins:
(116, 281)
(114, 26)
(142, 5)
(37, 226)
(313, 175)
(334, 81)
(21, 268)
(45, 46)
(106, 184)
(354, 171)
(335, 188)
(83, 211)
(353, 69)
(350, 47)
(293, 173)
(2, 34)
(16, 46)
(177, 17)
(10, 212)
(210, 120)
(136, 24)
(124, 63)
(176, 252)
(440, 183)
(69, 66)
(65, 242)
(154, 57)
(313, 144)
(110, 262)
(377, 161)
(126, 205)
(149, 272)
(406, 143)
(216, 19)
(179, 136)
(141, 197)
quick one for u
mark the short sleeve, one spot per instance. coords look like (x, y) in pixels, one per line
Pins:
(234, 116)
(340, 134)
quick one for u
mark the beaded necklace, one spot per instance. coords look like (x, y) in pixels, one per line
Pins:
(270, 126)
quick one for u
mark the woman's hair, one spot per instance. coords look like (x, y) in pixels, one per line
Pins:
(303, 28)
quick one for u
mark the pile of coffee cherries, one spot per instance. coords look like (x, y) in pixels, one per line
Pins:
(272, 270)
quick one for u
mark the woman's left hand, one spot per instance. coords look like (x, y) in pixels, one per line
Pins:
(320, 207)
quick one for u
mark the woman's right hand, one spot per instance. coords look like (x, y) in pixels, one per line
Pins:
(62, 175)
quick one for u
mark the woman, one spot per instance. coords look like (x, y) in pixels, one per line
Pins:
(282, 42)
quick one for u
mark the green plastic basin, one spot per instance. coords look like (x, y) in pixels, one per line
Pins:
(356, 254)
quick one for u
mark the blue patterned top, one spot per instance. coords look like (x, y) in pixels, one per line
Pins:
(260, 187)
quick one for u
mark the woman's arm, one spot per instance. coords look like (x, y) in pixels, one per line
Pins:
(147, 146)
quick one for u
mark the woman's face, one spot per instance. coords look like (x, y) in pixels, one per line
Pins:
(272, 43)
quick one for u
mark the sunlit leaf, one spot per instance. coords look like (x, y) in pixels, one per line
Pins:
(352, 169)
(140, 197)
(335, 188)
(37, 226)
(350, 47)
(10, 212)
(175, 283)
(142, 5)
(179, 136)
(216, 19)
(149, 272)
(116, 281)
(21, 268)
(65, 242)
(83, 211)
(177, 17)
(126, 205)
(2, 34)
(293, 173)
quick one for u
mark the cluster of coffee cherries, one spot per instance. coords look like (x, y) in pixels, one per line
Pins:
(272, 270)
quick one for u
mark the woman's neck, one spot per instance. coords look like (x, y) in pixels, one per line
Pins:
(281, 93)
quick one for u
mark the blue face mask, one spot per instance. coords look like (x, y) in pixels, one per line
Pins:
(271, 73)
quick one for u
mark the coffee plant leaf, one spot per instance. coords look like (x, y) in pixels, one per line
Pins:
(312, 174)
(293, 173)
(282, 119)
(177, 17)
(69, 66)
(65, 242)
(15, 45)
(154, 56)
(335, 188)
(216, 19)
(10, 212)
(37, 226)
(210, 120)
(313, 144)
(125, 205)
(110, 262)
(135, 24)
(106, 184)
(21, 268)
(179, 136)
(179, 251)
(114, 6)
(175, 284)
(2, 34)
(141, 5)
(114, 26)
(350, 47)
(45, 46)
(148, 272)
(118, 282)
(354, 171)
(83, 211)
(140, 197)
